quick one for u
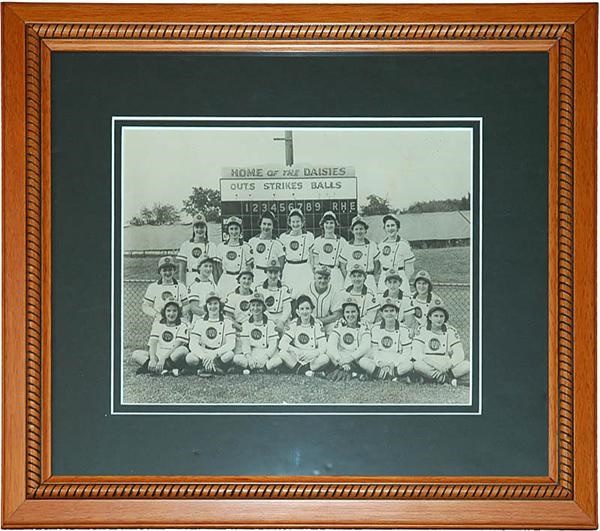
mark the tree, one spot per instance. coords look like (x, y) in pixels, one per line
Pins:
(439, 205)
(204, 201)
(159, 214)
(376, 206)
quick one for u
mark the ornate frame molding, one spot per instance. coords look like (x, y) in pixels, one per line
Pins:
(40, 38)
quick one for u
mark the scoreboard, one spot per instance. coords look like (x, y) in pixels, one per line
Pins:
(251, 191)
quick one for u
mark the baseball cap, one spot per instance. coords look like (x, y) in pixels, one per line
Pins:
(356, 220)
(211, 295)
(166, 261)
(234, 219)
(245, 272)
(203, 260)
(198, 219)
(357, 268)
(268, 214)
(258, 297)
(323, 270)
(273, 265)
(390, 302)
(172, 301)
(329, 215)
(439, 307)
(296, 212)
(392, 273)
(393, 217)
(423, 275)
(350, 302)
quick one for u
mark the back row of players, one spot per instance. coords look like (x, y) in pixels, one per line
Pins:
(306, 288)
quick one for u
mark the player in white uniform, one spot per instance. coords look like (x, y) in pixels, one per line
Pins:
(167, 345)
(259, 340)
(395, 252)
(233, 256)
(212, 339)
(165, 289)
(363, 252)
(303, 345)
(329, 250)
(438, 352)
(391, 352)
(278, 298)
(325, 299)
(193, 250)
(366, 300)
(424, 297)
(393, 282)
(202, 285)
(348, 342)
(265, 247)
(297, 244)
(237, 305)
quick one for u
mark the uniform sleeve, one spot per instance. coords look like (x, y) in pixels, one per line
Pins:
(183, 293)
(375, 250)
(247, 252)
(405, 336)
(278, 249)
(316, 246)
(228, 328)
(319, 330)
(245, 330)
(372, 302)
(181, 255)
(289, 331)
(196, 329)
(228, 305)
(455, 345)
(271, 332)
(182, 333)
(310, 240)
(155, 332)
(343, 256)
(453, 337)
(149, 295)
(286, 294)
(374, 338)
(193, 295)
(407, 252)
(283, 239)
(407, 306)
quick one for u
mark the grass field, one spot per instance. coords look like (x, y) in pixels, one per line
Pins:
(445, 265)
(279, 389)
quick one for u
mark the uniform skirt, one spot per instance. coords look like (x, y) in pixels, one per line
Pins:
(297, 277)
(257, 359)
(227, 284)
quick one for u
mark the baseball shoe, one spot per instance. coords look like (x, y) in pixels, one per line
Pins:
(309, 373)
(143, 369)
(454, 382)
(246, 372)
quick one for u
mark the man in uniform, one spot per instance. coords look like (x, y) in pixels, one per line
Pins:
(326, 300)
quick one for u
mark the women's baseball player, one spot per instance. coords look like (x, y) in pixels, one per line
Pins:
(438, 352)
(297, 244)
(365, 299)
(259, 340)
(165, 289)
(348, 342)
(167, 345)
(194, 249)
(237, 305)
(363, 252)
(329, 250)
(390, 356)
(212, 339)
(200, 287)
(233, 257)
(265, 247)
(303, 345)
(393, 282)
(395, 252)
(278, 298)
(424, 297)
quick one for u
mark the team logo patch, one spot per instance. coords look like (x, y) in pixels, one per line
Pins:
(167, 296)
(348, 339)
(387, 341)
(211, 333)
(434, 344)
(231, 255)
(256, 334)
(167, 336)
(260, 248)
(270, 300)
(294, 246)
(328, 248)
(387, 250)
(418, 312)
(303, 339)
(357, 255)
(196, 252)
(244, 305)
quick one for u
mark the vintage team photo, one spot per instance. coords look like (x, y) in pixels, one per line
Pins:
(296, 265)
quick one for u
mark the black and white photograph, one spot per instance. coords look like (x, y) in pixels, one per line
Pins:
(296, 263)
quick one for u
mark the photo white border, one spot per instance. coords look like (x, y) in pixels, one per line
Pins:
(116, 119)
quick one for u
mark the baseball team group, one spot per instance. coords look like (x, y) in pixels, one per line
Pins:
(316, 306)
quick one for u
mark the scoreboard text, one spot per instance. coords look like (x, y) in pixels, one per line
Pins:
(250, 192)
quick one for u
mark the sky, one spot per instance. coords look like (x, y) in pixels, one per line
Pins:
(403, 165)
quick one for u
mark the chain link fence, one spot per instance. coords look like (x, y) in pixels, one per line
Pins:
(136, 324)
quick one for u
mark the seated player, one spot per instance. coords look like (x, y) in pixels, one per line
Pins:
(167, 346)
(424, 297)
(259, 340)
(395, 252)
(277, 297)
(363, 252)
(437, 350)
(212, 339)
(165, 289)
(365, 299)
(324, 298)
(393, 282)
(265, 247)
(200, 287)
(348, 342)
(233, 257)
(194, 249)
(237, 305)
(329, 250)
(303, 345)
(390, 355)
(297, 244)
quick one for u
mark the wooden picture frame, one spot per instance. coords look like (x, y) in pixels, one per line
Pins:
(34, 497)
